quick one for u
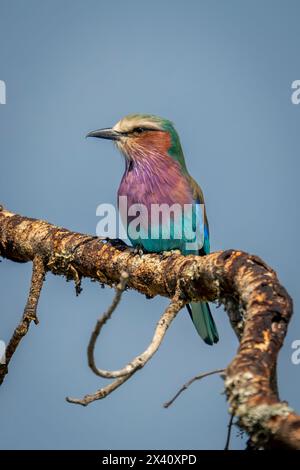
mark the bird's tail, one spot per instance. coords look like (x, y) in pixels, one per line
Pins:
(204, 322)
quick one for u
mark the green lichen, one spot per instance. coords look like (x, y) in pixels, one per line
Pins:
(254, 419)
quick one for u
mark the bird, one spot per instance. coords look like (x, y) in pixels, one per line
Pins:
(156, 174)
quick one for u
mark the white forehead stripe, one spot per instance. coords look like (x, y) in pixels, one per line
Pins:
(128, 124)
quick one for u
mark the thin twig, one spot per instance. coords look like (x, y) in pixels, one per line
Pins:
(163, 324)
(140, 360)
(187, 384)
(100, 322)
(229, 428)
(29, 315)
(99, 394)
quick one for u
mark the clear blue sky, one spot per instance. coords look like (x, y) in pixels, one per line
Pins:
(222, 71)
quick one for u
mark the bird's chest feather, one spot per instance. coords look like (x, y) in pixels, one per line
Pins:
(155, 184)
(151, 186)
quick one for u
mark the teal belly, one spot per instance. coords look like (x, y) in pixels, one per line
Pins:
(158, 245)
(167, 240)
(183, 231)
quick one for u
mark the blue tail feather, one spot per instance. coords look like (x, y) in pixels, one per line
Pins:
(204, 322)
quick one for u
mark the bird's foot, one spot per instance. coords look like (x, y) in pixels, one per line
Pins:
(166, 254)
(137, 250)
(117, 243)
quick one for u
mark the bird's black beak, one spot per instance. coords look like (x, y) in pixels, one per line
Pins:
(105, 134)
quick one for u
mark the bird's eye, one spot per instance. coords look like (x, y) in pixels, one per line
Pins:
(139, 130)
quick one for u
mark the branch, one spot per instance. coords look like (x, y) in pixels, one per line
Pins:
(138, 362)
(190, 382)
(229, 429)
(29, 315)
(95, 334)
(259, 308)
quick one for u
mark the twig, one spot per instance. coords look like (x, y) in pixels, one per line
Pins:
(229, 428)
(101, 321)
(140, 361)
(102, 393)
(29, 315)
(190, 382)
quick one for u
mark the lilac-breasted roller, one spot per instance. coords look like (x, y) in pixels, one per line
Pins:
(155, 175)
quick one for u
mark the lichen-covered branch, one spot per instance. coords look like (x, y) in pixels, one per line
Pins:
(259, 308)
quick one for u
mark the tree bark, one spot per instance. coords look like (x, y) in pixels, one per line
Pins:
(259, 308)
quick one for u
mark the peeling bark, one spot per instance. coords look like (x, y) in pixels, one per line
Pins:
(259, 308)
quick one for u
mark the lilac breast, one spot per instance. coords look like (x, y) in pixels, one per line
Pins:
(146, 182)
(153, 182)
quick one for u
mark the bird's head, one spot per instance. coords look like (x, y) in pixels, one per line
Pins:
(142, 136)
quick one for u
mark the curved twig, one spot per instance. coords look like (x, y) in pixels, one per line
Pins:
(99, 394)
(100, 322)
(139, 362)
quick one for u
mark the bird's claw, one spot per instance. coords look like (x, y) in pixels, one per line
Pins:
(166, 254)
(137, 250)
(116, 242)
